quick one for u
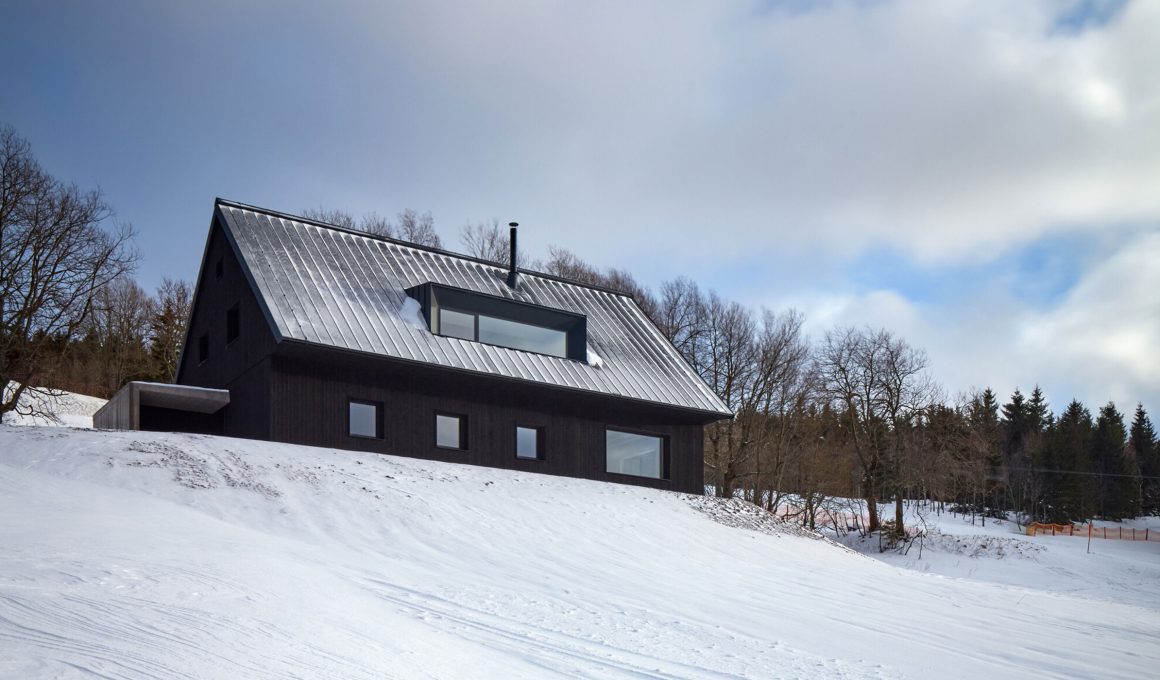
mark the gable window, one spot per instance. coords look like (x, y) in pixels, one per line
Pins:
(529, 442)
(365, 419)
(467, 315)
(203, 348)
(233, 328)
(450, 431)
(217, 269)
(639, 455)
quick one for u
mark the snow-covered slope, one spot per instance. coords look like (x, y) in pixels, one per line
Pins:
(138, 555)
(67, 408)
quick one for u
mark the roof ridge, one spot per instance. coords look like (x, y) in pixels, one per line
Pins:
(219, 201)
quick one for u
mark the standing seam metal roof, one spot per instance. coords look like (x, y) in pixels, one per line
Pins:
(330, 286)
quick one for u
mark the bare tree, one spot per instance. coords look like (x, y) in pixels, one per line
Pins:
(417, 228)
(681, 315)
(120, 323)
(54, 257)
(880, 385)
(339, 218)
(907, 392)
(487, 241)
(412, 226)
(848, 367)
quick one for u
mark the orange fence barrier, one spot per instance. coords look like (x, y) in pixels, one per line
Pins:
(1116, 533)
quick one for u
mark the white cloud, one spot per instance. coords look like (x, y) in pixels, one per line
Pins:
(951, 130)
(1100, 342)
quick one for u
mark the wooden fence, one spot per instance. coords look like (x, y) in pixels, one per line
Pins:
(1116, 533)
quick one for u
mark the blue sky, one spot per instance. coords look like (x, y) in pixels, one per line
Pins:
(980, 177)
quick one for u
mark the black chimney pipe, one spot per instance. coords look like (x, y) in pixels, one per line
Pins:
(513, 277)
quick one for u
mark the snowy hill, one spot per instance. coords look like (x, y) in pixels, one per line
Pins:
(140, 555)
(67, 408)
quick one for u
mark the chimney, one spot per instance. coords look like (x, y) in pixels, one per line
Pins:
(513, 276)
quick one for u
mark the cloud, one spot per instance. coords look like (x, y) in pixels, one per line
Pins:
(1096, 343)
(949, 130)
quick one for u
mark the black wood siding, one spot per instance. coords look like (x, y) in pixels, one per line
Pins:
(311, 389)
(298, 393)
(241, 366)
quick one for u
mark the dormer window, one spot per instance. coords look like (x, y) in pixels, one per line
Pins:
(491, 320)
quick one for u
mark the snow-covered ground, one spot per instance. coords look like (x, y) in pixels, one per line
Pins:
(143, 555)
(66, 408)
(1001, 552)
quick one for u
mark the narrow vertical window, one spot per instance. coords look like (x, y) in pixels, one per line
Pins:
(203, 348)
(450, 431)
(365, 419)
(233, 328)
(217, 268)
(529, 442)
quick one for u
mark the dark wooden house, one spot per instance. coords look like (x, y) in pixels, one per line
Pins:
(324, 336)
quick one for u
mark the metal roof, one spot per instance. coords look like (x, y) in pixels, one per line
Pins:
(331, 286)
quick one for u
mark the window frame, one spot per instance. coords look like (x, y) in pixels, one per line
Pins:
(666, 457)
(236, 312)
(463, 430)
(541, 453)
(378, 406)
(433, 298)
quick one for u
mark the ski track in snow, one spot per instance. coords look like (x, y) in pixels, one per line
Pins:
(140, 555)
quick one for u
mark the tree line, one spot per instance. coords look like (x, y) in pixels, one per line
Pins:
(857, 414)
(852, 414)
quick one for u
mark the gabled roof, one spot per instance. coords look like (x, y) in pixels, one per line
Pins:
(330, 286)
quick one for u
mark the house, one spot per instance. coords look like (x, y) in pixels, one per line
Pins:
(307, 333)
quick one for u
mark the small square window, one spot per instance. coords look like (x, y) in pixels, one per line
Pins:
(366, 419)
(450, 431)
(233, 323)
(529, 442)
(203, 348)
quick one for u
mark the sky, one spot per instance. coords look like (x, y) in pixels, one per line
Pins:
(981, 177)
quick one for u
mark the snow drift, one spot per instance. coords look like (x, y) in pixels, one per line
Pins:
(140, 555)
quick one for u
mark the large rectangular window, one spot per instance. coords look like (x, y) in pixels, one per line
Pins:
(467, 315)
(529, 442)
(640, 455)
(523, 336)
(450, 431)
(365, 419)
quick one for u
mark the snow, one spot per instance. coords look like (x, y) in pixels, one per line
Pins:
(69, 409)
(132, 554)
(1001, 552)
(594, 359)
(412, 313)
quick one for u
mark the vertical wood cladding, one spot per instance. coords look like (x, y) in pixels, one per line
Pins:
(299, 393)
(310, 396)
(242, 365)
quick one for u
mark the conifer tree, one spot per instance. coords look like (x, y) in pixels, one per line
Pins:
(1067, 492)
(167, 328)
(983, 415)
(1118, 487)
(1143, 445)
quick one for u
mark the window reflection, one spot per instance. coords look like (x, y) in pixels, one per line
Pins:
(634, 454)
(522, 336)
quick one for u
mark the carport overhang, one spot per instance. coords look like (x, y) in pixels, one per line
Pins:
(123, 411)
